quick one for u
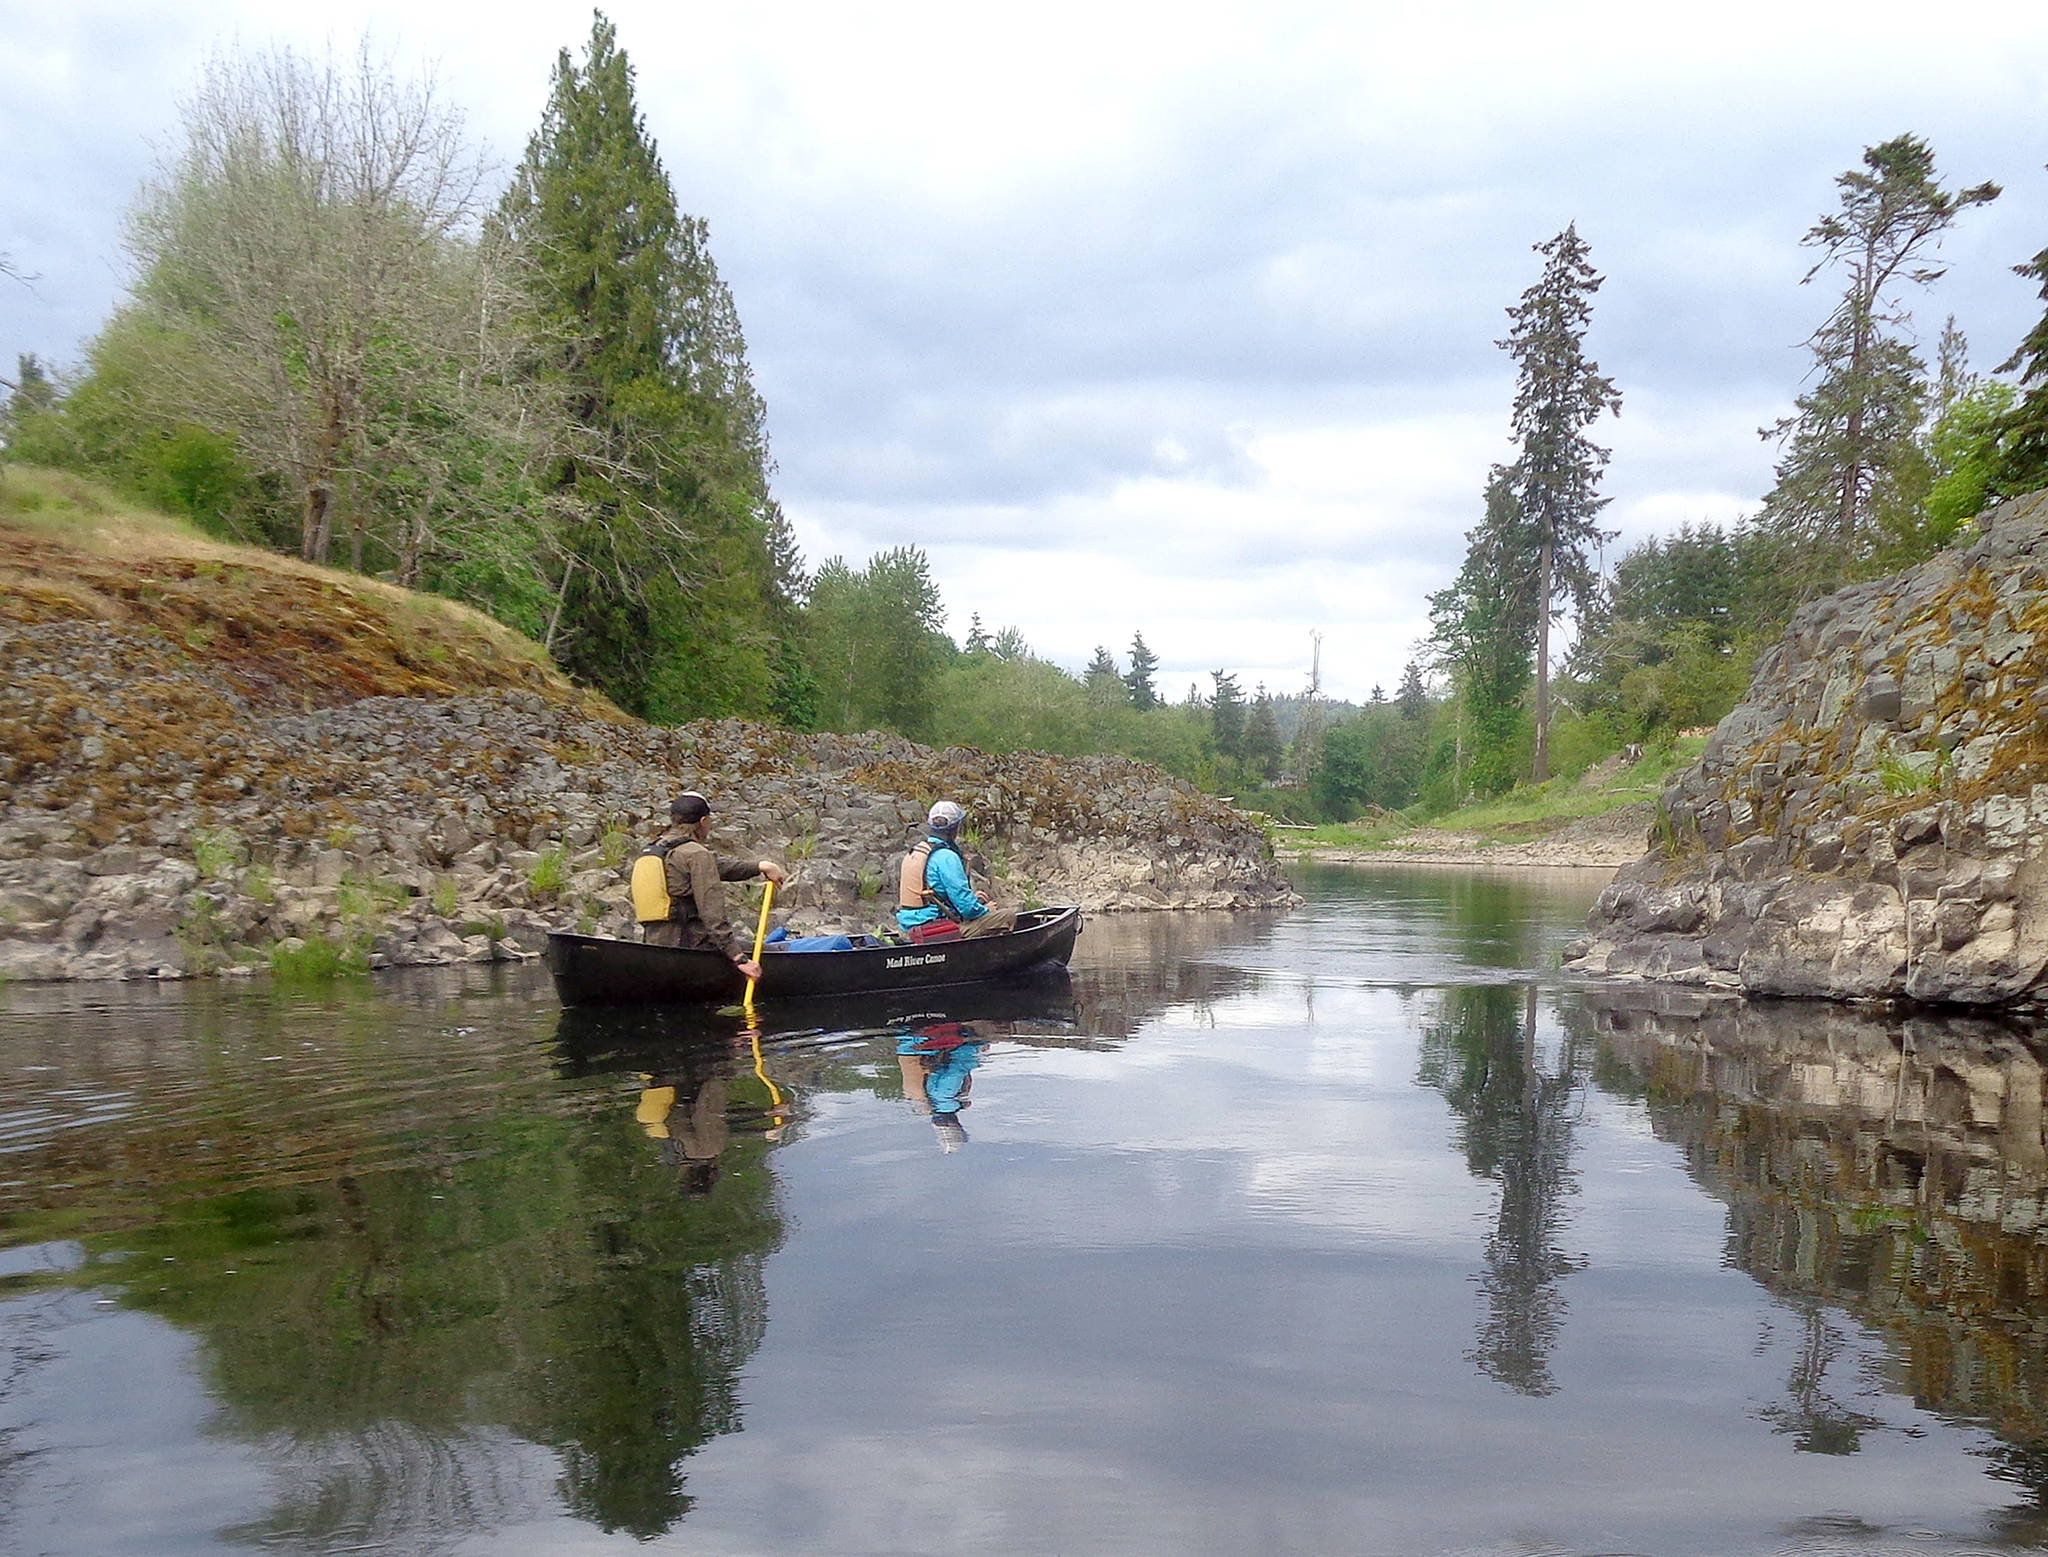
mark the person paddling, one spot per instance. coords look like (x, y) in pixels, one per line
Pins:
(934, 898)
(679, 886)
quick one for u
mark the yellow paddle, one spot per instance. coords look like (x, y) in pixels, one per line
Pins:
(760, 940)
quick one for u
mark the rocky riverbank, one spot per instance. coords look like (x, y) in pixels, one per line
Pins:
(214, 761)
(1872, 821)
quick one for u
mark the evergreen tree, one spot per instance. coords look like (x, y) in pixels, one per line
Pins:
(1009, 644)
(675, 578)
(978, 643)
(1852, 431)
(1559, 393)
(1226, 715)
(2022, 459)
(1262, 738)
(1413, 697)
(1139, 677)
(1484, 630)
(1105, 686)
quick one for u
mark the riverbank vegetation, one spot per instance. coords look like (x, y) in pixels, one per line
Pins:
(344, 344)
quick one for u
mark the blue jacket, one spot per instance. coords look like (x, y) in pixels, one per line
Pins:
(946, 1073)
(946, 874)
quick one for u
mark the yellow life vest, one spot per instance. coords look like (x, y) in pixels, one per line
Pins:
(651, 902)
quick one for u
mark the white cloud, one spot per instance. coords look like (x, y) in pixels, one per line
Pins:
(1187, 311)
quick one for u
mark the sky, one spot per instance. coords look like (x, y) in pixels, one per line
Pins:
(1177, 319)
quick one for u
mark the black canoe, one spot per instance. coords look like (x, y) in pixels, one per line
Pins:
(591, 970)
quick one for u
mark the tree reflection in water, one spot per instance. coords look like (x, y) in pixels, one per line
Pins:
(1515, 1117)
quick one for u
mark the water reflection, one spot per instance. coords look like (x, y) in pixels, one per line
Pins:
(448, 1267)
(1892, 1166)
(1515, 1119)
(937, 1063)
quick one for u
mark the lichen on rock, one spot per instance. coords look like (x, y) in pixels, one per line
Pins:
(1871, 822)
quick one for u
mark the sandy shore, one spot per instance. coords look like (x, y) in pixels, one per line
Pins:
(1604, 842)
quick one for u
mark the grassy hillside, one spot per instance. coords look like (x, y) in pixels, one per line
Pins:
(285, 630)
(1527, 812)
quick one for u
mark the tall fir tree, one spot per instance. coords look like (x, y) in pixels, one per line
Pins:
(1483, 628)
(1105, 684)
(1226, 715)
(1559, 393)
(1144, 696)
(1852, 432)
(1413, 696)
(2022, 461)
(676, 577)
(1262, 746)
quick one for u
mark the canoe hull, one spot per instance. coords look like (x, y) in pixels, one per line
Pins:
(595, 970)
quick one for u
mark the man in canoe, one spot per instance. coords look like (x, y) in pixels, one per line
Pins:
(679, 886)
(934, 898)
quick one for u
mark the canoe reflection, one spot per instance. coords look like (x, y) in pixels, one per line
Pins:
(708, 1077)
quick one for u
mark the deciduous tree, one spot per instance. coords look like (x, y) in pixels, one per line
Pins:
(309, 288)
(877, 640)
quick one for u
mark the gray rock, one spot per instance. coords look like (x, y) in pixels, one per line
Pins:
(1910, 857)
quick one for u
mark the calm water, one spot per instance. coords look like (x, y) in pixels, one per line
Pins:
(1353, 1230)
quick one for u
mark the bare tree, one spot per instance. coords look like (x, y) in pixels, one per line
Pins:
(309, 257)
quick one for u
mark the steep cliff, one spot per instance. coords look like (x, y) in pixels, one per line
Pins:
(1872, 821)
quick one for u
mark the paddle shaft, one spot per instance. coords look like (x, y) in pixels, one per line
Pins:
(760, 939)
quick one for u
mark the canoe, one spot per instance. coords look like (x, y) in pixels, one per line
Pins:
(594, 970)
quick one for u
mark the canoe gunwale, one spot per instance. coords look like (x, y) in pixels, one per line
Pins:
(598, 970)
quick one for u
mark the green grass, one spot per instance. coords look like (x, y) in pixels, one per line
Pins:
(550, 873)
(216, 851)
(1528, 811)
(319, 961)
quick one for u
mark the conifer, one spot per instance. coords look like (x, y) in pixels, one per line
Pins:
(676, 575)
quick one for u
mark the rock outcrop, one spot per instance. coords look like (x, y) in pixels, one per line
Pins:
(1871, 822)
(198, 769)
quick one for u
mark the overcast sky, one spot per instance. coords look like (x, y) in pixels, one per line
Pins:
(1177, 318)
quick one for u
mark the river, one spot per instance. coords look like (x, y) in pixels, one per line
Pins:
(1356, 1229)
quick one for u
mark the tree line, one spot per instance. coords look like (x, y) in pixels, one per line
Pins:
(343, 341)
(1885, 460)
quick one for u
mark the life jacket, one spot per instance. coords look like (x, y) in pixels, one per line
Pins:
(912, 891)
(651, 901)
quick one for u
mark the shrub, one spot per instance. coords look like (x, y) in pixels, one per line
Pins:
(550, 873)
(316, 960)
